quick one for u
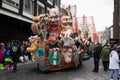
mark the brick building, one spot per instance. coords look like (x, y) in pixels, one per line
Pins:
(116, 20)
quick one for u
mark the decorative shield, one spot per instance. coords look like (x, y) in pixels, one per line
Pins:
(54, 57)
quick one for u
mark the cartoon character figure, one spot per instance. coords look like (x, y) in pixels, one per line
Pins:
(54, 29)
(34, 45)
(69, 47)
(55, 48)
(66, 23)
(39, 28)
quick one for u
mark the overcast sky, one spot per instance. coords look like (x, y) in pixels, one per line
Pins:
(101, 10)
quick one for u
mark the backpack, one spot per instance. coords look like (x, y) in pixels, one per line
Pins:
(14, 49)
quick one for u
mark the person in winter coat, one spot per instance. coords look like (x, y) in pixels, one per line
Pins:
(114, 63)
(105, 56)
(15, 52)
(7, 57)
(96, 56)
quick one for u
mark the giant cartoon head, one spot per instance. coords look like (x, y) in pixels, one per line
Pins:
(66, 22)
(53, 23)
(53, 17)
(54, 12)
(68, 50)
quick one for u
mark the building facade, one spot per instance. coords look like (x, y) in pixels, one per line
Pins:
(116, 20)
(17, 16)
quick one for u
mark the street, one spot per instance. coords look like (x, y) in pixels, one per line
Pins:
(28, 72)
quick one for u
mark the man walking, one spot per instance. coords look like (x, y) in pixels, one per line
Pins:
(96, 57)
(15, 53)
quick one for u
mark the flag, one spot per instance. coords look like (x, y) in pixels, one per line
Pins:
(75, 25)
(73, 10)
(95, 38)
(86, 23)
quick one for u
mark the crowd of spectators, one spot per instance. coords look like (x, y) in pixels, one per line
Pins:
(7, 58)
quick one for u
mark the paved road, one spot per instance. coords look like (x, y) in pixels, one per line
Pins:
(28, 72)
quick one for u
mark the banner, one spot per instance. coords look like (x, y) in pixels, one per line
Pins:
(86, 24)
(73, 10)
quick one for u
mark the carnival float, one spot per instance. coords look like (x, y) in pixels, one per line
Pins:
(54, 45)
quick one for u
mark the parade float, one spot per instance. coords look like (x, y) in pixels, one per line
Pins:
(53, 44)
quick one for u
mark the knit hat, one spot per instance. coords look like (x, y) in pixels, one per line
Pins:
(2, 44)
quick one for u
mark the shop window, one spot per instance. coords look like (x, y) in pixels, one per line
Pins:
(40, 10)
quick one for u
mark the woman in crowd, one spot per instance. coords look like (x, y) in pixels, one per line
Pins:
(2, 47)
(7, 57)
(114, 63)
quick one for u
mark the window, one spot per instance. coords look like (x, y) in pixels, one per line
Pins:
(40, 8)
(28, 6)
(57, 2)
(13, 3)
(50, 1)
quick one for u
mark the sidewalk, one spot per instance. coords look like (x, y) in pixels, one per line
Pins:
(24, 63)
(20, 64)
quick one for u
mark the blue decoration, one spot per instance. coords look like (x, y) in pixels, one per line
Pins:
(40, 51)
